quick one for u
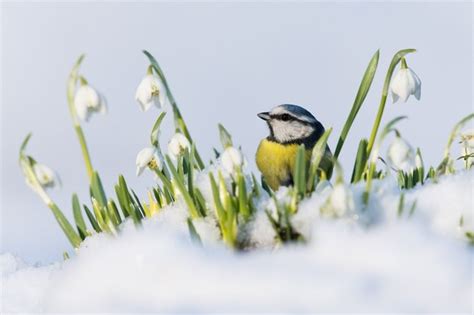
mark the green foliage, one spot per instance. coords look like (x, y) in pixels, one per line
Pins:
(234, 195)
(362, 92)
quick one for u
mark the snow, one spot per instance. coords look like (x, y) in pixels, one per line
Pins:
(367, 260)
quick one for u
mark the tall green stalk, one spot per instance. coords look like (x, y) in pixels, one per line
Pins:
(178, 117)
(27, 164)
(395, 60)
(71, 89)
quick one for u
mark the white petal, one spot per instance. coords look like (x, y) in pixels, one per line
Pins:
(46, 176)
(86, 100)
(178, 144)
(103, 105)
(401, 155)
(231, 159)
(145, 156)
(82, 110)
(144, 94)
(162, 96)
(418, 93)
(140, 170)
(394, 97)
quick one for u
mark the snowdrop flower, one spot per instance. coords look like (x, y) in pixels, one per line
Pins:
(178, 145)
(151, 91)
(401, 155)
(87, 101)
(467, 142)
(150, 158)
(405, 83)
(46, 177)
(339, 202)
(232, 159)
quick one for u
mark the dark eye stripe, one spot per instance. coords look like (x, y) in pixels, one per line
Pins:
(284, 117)
(289, 118)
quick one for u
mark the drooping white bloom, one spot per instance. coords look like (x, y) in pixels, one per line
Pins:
(88, 101)
(151, 91)
(467, 145)
(178, 145)
(46, 177)
(339, 202)
(148, 157)
(232, 159)
(405, 83)
(401, 155)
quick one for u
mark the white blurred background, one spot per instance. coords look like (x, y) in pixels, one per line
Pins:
(225, 62)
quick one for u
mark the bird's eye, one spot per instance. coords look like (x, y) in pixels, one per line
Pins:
(285, 117)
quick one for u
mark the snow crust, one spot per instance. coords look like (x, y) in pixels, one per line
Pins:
(364, 260)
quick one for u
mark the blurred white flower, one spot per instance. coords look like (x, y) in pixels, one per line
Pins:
(339, 202)
(401, 155)
(87, 101)
(151, 91)
(467, 145)
(232, 159)
(150, 158)
(405, 83)
(418, 160)
(178, 145)
(46, 177)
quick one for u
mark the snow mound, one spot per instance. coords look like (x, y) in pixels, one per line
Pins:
(371, 260)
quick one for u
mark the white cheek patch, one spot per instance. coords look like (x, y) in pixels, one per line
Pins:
(285, 131)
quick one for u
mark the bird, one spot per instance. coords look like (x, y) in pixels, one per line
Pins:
(289, 125)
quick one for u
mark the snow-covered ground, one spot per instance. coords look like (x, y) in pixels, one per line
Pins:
(370, 260)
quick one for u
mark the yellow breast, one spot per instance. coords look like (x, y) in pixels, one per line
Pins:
(276, 161)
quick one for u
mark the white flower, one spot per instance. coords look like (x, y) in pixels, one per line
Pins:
(232, 159)
(401, 155)
(46, 177)
(339, 202)
(467, 142)
(178, 145)
(150, 158)
(405, 83)
(151, 91)
(87, 101)
(418, 160)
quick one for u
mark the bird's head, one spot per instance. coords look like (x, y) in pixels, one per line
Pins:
(291, 124)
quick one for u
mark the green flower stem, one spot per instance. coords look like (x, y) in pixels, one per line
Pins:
(374, 156)
(178, 117)
(179, 181)
(63, 222)
(403, 64)
(378, 118)
(84, 150)
(395, 60)
(73, 77)
(164, 179)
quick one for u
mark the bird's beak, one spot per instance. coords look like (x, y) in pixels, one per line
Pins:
(265, 116)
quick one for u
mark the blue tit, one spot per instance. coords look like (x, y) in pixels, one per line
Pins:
(290, 126)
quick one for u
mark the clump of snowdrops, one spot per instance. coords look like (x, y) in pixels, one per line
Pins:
(235, 191)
